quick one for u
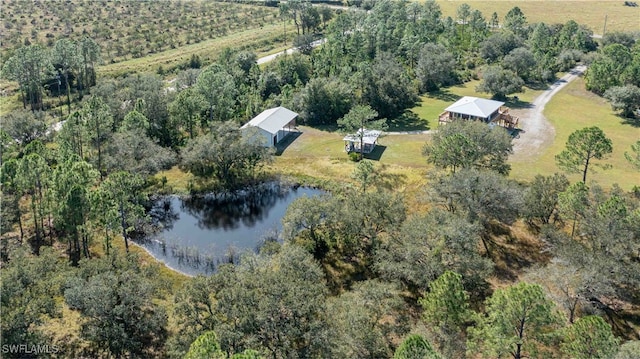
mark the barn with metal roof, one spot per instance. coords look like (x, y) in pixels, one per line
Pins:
(273, 125)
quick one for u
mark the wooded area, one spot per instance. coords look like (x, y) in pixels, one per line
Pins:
(474, 264)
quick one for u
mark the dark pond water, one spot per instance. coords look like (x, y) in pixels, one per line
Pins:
(196, 235)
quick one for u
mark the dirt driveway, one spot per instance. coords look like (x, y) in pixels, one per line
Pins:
(537, 133)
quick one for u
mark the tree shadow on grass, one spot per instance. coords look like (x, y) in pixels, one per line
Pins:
(408, 121)
(286, 142)
(327, 128)
(516, 103)
(623, 322)
(389, 181)
(541, 86)
(510, 254)
(443, 95)
(633, 122)
(511, 102)
(376, 154)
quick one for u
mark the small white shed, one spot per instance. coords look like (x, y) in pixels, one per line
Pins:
(368, 139)
(273, 125)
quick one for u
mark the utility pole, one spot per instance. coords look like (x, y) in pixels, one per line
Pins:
(284, 14)
(604, 30)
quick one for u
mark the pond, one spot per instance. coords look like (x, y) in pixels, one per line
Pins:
(196, 234)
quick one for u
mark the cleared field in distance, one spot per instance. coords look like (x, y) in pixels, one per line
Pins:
(267, 40)
(591, 13)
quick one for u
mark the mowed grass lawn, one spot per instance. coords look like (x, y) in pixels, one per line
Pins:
(591, 12)
(320, 154)
(433, 104)
(571, 109)
(574, 108)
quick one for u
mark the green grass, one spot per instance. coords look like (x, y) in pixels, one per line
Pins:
(403, 150)
(177, 181)
(327, 147)
(433, 104)
(575, 108)
(571, 109)
(320, 154)
(590, 13)
(174, 280)
(10, 103)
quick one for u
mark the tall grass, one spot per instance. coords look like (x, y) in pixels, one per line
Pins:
(591, 13)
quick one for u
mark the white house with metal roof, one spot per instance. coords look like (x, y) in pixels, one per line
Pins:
(480, 109)
(474, 108)
(273, 125)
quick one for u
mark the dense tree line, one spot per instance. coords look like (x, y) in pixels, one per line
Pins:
(355, 67)
(36, 69)
(615, 74)
(109, 148)
(382, 58)
(291, 300)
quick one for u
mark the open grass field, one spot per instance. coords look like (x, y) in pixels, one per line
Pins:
(320, 155)
(587, 12)
(571, 109)
(9, 103)
(575, 108)
(177, 180)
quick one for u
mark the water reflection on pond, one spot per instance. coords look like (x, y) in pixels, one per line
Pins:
(198, 233)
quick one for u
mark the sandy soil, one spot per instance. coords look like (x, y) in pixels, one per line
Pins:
(537, 133)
